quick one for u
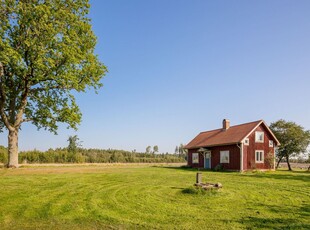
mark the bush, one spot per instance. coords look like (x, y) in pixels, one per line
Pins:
(3, 155)
(269, 160)
(219, 167)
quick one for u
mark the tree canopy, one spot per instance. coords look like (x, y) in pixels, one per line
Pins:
(46, 54)
(294, 139)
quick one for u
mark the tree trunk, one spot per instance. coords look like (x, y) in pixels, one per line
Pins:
(13, 149)
(288, 163)
(279, 162)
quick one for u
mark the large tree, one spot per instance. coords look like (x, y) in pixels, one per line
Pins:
(46, 55)
(294, 139)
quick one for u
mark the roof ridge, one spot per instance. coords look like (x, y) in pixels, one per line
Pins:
(217, 136)
(232, 126)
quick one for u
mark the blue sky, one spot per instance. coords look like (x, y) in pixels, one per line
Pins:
(178, 67)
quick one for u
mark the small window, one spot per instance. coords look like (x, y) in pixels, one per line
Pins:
(270, 143)
(246, 141)
(224, 156)
(259, 156)
(195, 158)
(259, 137)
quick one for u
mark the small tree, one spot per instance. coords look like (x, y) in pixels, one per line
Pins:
(176, 151)
(74, 143)
(155, 149)
(182, 150)
(294, 139)
(148, 149)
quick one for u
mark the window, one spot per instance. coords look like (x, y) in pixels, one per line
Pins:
(259, 156)
(270, 143)
(259, 137)
(246, 141)
(224, 156)
(195, 158)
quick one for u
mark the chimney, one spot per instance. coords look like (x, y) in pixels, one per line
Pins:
(226, 124)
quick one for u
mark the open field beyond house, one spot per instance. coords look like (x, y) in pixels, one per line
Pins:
(151, 197)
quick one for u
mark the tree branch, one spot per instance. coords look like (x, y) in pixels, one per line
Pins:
(2, 101)
(19, 115)
(26, 120)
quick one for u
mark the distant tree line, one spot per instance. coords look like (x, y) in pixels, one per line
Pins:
(75, 154)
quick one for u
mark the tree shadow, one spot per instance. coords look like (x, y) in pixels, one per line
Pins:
(273, 223)
(178, 188)
(289, 175)
(189, 169)
(257, 222)
(277, 175)
(181, 168)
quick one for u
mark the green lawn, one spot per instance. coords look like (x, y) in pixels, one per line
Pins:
(145, 197)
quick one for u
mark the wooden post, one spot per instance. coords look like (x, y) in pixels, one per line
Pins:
(198, 178)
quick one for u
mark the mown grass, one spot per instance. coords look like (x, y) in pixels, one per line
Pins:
(145, 197)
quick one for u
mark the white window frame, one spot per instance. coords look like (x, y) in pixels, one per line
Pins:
(224, 156)
(195, 158)
(261, 160)
(247, 141)
(257, 137)
(270, 143)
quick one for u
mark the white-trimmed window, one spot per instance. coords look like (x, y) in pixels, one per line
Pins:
(270, 143)
(224, 156)
(259, 137)
(195, 158)
(259, 156)
(246, 141)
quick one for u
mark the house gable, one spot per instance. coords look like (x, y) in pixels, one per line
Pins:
(262, 126)
(249, 155)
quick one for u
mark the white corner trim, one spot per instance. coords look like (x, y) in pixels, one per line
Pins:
(241, 157)
(274, 158)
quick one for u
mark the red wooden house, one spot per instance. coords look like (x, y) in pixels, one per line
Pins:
(241, 147)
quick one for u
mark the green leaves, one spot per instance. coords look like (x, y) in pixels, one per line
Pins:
(47, 53)
(294, 138)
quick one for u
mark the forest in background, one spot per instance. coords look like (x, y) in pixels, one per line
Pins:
(83, 155)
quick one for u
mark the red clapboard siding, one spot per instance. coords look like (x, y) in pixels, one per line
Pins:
(249, 151)
(234, 157)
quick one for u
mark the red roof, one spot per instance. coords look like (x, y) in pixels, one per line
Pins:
(235, 134)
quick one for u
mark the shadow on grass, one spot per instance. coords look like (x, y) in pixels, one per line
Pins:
(288, 175)
(257, 222)
(279, 175)
(288, 218)
(179, 188)
(195, 169)
(273, 223)
(184, 168)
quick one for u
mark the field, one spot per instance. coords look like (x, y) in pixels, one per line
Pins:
(150, 197)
